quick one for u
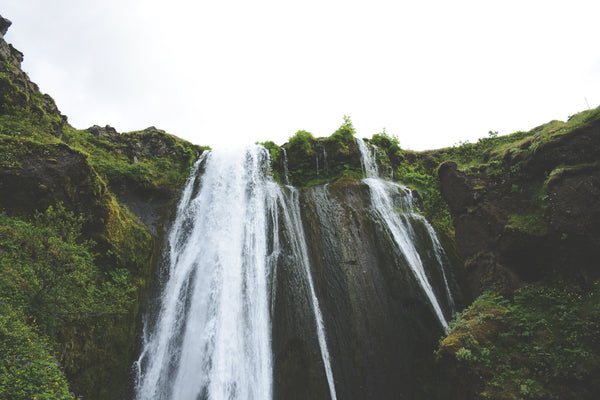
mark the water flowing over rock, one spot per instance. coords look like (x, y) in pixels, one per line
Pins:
(276, 292)
(213, 335)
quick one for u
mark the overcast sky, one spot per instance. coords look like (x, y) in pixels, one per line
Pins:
(231, 72)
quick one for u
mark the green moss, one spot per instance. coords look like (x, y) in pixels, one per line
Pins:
(149, 160)
(533, 224)
(27, 113)
(559, 171)
(314, 161)
(541, 345)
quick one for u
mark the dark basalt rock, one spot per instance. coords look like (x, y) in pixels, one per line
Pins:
(380, 328)
(4, 25)
(540, 220)
(45, 174)
(107, 132)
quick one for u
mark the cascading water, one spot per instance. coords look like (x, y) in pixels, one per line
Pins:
(286, 173)
(212, 337)
(293, 223)
(385, 201)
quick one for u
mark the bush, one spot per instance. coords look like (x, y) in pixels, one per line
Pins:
(345, 132)
(543, 344)
(301, 143)
(27, 368)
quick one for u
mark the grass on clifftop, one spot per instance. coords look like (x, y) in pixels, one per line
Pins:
(70, 285)
(148, 160)
(487, 154)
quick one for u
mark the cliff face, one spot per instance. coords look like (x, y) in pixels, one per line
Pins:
(537, 219)
(527, 222)
(83, 214)
(379, 322)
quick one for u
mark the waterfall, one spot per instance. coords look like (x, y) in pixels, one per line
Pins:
(293, 224)
(212, 336)
(317, 162)
(285, 167)
(385, 202)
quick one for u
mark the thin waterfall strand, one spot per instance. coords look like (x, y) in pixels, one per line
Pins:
(293, 223)
(384, 208)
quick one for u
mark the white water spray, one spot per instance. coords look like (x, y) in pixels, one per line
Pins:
(293, 224)
(212, 336)
(382, 192)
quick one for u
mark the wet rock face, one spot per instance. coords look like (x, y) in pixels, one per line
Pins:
(458, 188)
(540, 220)
(574, 218)
(477, 221)
(380, 328)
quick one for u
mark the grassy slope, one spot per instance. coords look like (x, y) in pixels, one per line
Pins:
(74, 262)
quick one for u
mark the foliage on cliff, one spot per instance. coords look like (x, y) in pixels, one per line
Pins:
(311, 160)
(542, 344)
(525, 210)
(28, 370)
(74, 260)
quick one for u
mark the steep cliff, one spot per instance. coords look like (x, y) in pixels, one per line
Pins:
(525, 210)
(83, 214)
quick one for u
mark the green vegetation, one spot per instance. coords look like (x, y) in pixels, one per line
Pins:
(345, 133)
(49, 278)
(533, 224)
(149, 160)
(495, 155)
(28, 370)
(313, 161)
(391, 144)
(74, 262)
(301, 144)
(542, 344)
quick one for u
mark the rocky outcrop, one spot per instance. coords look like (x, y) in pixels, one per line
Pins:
(4, 25)
(17, 92)
(35, 176)
(539, 219)
(106, 132)
(124, 204)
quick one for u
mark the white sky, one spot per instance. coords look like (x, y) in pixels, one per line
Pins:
(231, 72)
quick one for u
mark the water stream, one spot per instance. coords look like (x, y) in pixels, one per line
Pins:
(211, 338)
(385, 204)
(211, 335)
